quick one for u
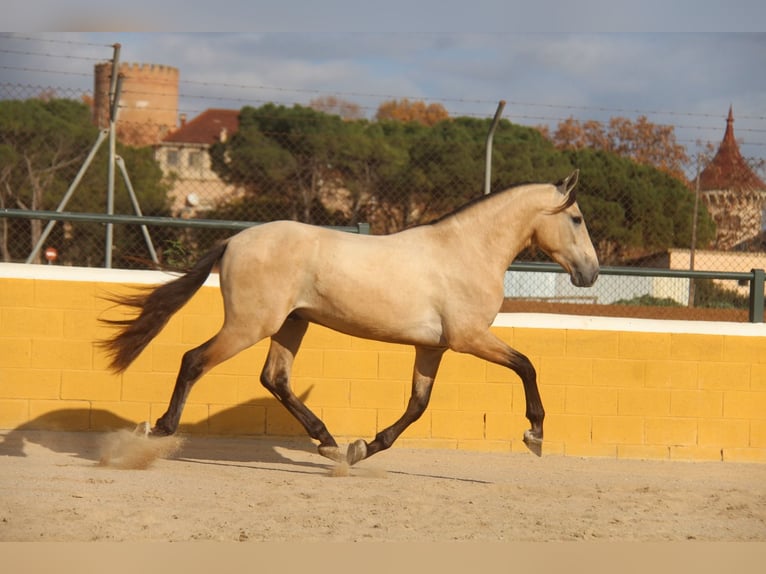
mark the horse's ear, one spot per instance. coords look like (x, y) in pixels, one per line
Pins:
(568, 184)
(567, 188)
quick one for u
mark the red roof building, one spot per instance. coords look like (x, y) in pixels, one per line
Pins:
(734, 195)
(728, 169)
(184, 157)
(209, 127)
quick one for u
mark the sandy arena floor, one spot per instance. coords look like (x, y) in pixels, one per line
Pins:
(53, 488)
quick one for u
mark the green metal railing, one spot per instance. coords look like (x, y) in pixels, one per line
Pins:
(362, 228)
(755, 277)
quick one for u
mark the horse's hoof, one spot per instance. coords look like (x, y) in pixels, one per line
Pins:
(331, 452)
(356, 451)
(143, 429)
(534, 444)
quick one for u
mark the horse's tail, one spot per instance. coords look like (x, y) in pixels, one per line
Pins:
(157, 306)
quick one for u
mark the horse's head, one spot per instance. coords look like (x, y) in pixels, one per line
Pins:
(563, 236)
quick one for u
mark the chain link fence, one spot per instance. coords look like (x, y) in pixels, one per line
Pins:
(268, 162)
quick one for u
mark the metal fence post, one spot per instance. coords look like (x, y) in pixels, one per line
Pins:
(756, 295)
(488, 152)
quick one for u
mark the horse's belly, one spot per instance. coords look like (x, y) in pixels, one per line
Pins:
(374, 323)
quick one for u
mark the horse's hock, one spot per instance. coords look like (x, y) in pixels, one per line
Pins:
(611, 387)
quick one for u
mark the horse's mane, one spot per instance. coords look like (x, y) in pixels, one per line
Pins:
(570, 200)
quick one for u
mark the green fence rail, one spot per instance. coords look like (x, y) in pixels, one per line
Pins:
(362, 228)
(754, 277)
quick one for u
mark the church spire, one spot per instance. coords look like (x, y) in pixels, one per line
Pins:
(728, 170)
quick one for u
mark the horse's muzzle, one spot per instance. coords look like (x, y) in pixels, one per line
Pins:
(586, 278)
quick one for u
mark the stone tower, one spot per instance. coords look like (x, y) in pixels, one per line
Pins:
(734, 195)
(148, 102)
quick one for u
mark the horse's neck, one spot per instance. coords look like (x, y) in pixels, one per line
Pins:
(500, 227)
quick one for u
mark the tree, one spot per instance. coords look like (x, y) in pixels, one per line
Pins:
(337, 106)
(288, 158)
(43, 144)
(640, 140)
(633, 209)
(41, 138)
(406, 111)
(399, 174)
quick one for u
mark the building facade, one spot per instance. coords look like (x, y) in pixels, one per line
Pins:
(148, 108)
(734, 195)
(183, 155)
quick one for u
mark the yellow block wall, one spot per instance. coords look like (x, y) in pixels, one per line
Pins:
(606, 393)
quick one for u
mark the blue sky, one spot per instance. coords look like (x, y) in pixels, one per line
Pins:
(549, 61)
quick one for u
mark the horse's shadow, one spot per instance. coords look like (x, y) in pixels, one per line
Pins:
(54, 430)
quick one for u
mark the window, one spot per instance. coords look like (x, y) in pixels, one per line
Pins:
(194, 159)
(172, 158)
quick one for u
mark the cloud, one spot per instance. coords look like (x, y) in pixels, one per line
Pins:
(543, 77)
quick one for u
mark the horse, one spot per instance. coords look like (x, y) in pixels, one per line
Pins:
(435, 286)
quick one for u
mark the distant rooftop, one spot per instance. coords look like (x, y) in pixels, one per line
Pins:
(207, 128)
(728, 170)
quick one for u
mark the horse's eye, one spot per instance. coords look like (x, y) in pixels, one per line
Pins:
(576, 219)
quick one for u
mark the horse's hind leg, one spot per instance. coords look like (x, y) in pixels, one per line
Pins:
(487, 346)
(276, 378)
(194, 364)
(426, 364)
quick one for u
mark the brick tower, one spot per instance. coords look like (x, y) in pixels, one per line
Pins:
(734, 195)
(148, 102)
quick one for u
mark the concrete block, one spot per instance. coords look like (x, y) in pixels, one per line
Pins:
(379, 394)
(696, 404)
(30, 384)
(343, 363)
(644, 346)
(744, 404)
(720, 376)
(591, 400)
(619, 373)
(693, 347)
(90, 386)
(618, 430)
(237, 420)
(666, 431)
(720, 433)
(458, 425)
(592, 344)
(647, 402)
(671, 374)
(13, 413)
(15, 353)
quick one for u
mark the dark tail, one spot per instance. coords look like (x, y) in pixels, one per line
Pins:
(157, 306)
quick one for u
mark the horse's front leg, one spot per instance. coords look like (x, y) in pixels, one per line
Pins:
(426, 365)
(488, 347)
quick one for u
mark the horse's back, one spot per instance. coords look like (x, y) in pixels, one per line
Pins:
(363, 285)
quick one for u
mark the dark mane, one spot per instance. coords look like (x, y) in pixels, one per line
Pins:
(463, 207)
(568, 203)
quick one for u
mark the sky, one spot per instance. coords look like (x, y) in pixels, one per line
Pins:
(684, 68)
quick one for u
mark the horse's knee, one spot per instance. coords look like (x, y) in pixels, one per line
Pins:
(267, 381)
(277, 383)
(193, 364)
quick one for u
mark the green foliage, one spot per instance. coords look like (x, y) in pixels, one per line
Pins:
(633, 209)
(43, 144)
(303, 164)
(409, 172)
(710, 295)
(403, 173)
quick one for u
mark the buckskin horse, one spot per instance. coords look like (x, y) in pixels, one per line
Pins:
(435, 286)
